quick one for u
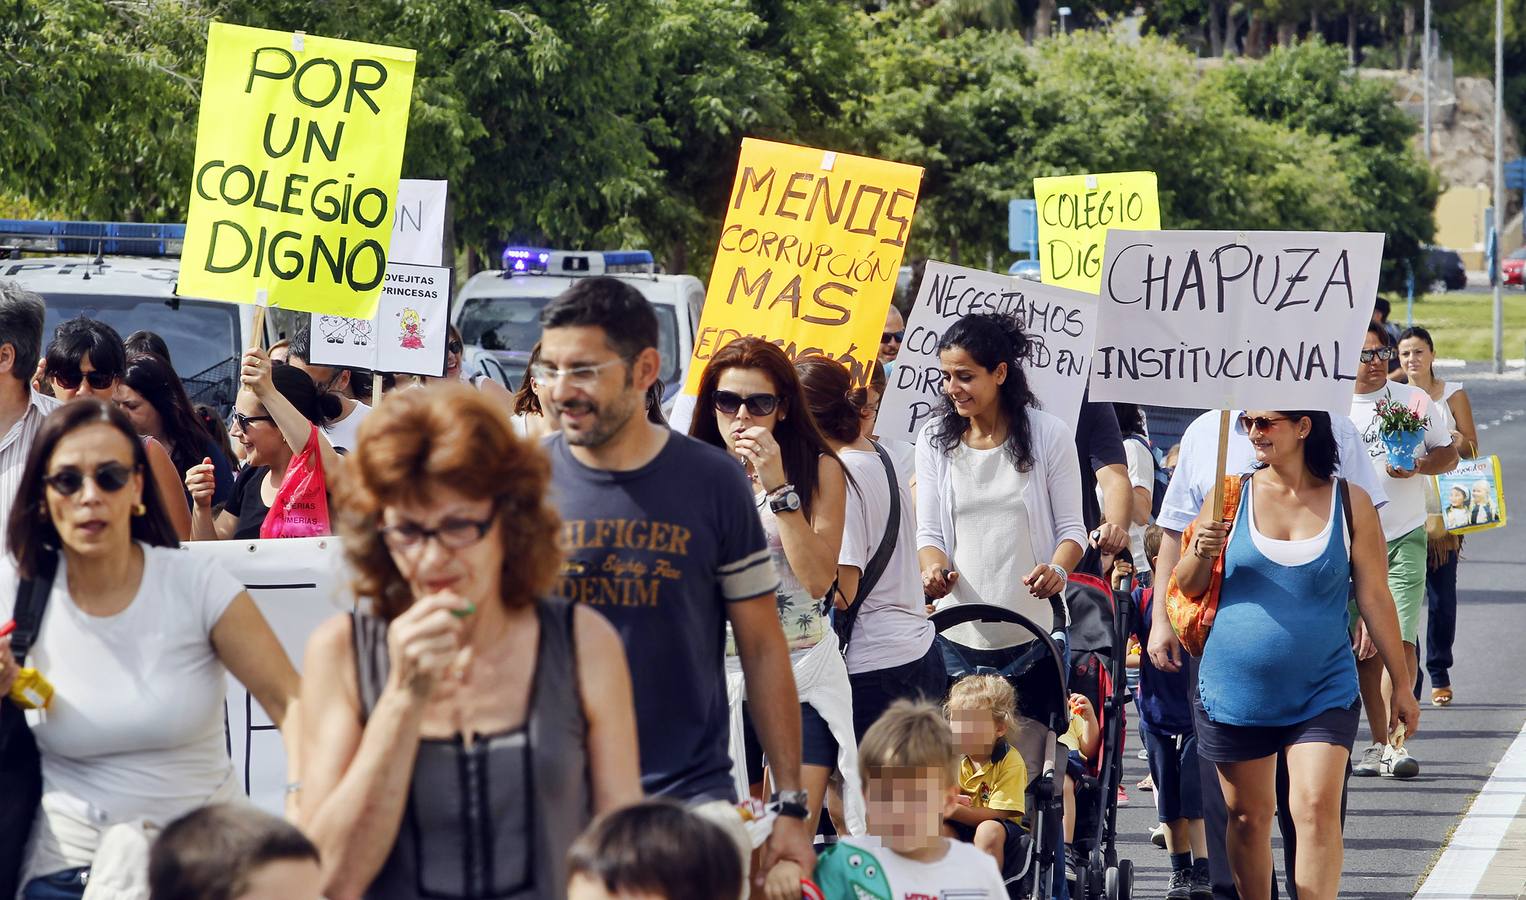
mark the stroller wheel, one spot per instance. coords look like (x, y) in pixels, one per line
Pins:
(1118, 884)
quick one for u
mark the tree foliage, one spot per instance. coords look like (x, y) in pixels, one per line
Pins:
(617, 122)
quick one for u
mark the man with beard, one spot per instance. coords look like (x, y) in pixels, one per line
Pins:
(662, 537)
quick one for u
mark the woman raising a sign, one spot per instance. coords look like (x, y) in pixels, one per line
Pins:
(998, 484)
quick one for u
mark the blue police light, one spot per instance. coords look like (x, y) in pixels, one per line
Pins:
(108, 238)
(525, 259)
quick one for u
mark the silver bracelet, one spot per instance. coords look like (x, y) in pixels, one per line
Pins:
(1060, 571)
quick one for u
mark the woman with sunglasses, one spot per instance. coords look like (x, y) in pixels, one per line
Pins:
(465, 727)
(86, 358)
(155, 401)
(137, 640)
(758, 413)
(273, 420)
(998, 485)
(1277, 676)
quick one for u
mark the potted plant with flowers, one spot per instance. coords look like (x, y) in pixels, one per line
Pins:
(1402, 431)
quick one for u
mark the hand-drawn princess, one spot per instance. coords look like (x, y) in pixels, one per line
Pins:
(413, 335)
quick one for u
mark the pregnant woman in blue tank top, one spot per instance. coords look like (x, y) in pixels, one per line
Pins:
(1278, 671)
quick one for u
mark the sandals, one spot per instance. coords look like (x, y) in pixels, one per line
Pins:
(1441, 696)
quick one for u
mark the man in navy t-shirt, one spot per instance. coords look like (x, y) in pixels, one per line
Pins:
(662, 536)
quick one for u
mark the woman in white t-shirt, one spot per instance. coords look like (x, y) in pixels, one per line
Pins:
(890, 655)
(998, 485)
(136, 639)
(1417, 359)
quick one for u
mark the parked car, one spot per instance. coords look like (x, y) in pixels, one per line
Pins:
(1512, 266)
(499, 311)
(1444, 270)
(1026, 269)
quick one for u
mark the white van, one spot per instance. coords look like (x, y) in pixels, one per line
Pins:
(124, 274)
(499, 310)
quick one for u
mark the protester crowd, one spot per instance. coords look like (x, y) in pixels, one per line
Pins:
(565, 607)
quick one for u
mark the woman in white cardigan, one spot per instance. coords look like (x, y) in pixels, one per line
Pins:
(998, 484)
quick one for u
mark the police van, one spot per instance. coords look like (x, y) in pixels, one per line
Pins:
(499, 310)
(124, 274)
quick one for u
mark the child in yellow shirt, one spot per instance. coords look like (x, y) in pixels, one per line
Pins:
(992, 775)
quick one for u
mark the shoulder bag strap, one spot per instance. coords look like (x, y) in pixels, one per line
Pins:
(881, 559)
(31, 603)
(1345, 490)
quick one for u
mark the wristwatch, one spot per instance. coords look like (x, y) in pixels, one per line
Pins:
(784, 499)
(792, 804)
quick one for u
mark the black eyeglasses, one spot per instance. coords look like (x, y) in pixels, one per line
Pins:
(889, 336)
(729, 402)
(453, 534)
(109, 477)
(70, 381)
(243, 422)
(1383, 353)
(454, 347)
(1260, 423)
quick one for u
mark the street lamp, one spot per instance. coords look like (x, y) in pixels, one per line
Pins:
(1064, 13)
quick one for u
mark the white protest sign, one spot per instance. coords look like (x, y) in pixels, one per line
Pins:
(418, 223)
(1227, 320)
(297, 583)
(408, 334)
(1060, 323)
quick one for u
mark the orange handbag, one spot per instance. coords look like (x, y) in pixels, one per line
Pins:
(1192, 617)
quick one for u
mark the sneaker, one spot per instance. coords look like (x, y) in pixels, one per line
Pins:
(1123, 797)
(1372, 762)
(1202, 885)
(1146, 783)
(1143, 753)
(1397, 763)
(1180, 885)
(1158, 836)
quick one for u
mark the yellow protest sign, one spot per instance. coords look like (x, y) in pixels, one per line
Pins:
(1075, 213)
(809, 254)
(298, 152)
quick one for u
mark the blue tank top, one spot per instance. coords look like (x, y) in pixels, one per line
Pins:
(1279, 652)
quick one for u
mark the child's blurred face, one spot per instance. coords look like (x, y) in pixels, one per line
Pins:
(584, 888)
(907, 806)
(975, 731)
(285, 879)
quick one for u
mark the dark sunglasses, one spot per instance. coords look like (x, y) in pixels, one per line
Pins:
(243, 422)
(1260, 423)
(1383, 353)
(70, 381)
(454, 347)
(109, 477)
(729, 402)
(889, 336)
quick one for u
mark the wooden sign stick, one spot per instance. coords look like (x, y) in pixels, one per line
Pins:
(1218, 475)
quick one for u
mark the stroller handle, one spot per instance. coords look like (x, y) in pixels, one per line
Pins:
(950, 616)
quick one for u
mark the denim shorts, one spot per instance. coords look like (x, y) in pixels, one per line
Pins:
(1174, 769)
(817, 746)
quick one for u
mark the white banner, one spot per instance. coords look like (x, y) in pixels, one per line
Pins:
(297, 583)
(1059, 322)
(418, 223)
(1227, 320)
(408, 334)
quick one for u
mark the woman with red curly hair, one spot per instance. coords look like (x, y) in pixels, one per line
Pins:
(463, 730)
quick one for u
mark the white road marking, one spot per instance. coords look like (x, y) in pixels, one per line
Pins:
(1478, 836)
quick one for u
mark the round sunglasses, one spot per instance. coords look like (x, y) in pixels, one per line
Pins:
(728, 402)
(109, 477)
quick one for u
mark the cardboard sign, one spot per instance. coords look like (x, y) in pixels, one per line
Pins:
(1227, 320)
(297, 583)
(1472, 496)
(809, 254)
(418, 225)
(298, 151)
(407, 335)
(1060, 323)
(1075, 213)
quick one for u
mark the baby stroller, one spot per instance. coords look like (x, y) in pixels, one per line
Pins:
(1043, 684)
